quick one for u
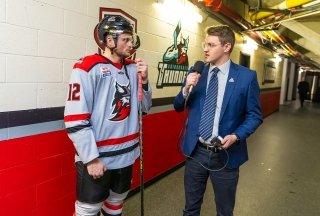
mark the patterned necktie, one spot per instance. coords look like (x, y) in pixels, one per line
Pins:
(209, 108)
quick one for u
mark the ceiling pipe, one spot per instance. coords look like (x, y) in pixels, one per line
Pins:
(270, 3)
(223, 12)
(287, 13)
(264, 26)
(282, 6)
(281, 44)
(217, 7)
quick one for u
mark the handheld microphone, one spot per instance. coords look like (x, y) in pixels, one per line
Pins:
(198, 67)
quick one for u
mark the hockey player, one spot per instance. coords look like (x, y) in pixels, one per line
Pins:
(101, 118)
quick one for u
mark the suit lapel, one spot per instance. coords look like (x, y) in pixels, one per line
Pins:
(231, 82)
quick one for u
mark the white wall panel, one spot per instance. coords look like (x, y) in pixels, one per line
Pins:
(18, 40)
(291, 80)
(154, 43)
(31, 69)
(19, 96)
(73, 5)
(61, 46)
(35, 14)
(152, 59)
(51, 95)
(79, 25)
(156, 27)
(146, 7)
(2, 68)
(67, 68)
(93, 7)
(91, 47)
(2, 10)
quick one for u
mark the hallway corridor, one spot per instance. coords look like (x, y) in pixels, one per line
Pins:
(281, 178)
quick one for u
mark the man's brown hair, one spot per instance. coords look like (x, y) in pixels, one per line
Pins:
(223, 32)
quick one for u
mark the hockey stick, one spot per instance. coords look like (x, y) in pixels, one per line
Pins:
(141, 144)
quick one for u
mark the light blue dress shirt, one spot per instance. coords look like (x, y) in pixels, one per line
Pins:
(222, 81)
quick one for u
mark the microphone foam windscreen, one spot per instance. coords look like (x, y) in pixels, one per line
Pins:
(198, 67)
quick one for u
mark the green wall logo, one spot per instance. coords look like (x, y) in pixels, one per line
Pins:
(174, 66)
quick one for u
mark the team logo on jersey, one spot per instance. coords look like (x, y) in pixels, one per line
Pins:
(105, 71)
(121, 103)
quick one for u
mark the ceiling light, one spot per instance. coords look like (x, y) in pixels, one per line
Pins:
(251, 44)
(187, 12)
(277, 58)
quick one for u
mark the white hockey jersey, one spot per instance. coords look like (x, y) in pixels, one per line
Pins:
(101, 112)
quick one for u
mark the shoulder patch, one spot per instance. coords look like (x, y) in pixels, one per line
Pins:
(89, 62)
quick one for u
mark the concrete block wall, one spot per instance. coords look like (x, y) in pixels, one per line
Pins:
(38, 42)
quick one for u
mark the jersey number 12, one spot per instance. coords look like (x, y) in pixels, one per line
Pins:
(74, 92)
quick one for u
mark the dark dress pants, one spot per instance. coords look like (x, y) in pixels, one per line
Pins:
(224, 182)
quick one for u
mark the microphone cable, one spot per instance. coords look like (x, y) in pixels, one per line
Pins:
(179, 141)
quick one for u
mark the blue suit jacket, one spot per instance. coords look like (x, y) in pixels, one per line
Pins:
(240, 111)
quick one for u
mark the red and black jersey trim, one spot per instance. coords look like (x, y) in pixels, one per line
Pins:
(129, 61)
(115, 141)
(77, 117)
(118, 152)
(77, 128)
(88, 62)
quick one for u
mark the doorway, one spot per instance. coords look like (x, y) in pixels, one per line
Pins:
(313, 79)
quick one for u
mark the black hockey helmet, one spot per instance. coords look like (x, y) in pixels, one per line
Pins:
(115, 25)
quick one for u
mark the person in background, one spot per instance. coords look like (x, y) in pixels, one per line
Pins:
(102, 121)
(224, 110)
(303, 90)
